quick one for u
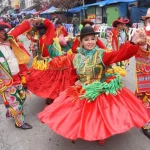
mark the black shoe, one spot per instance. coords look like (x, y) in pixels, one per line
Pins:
(24, 126)
(146, 132)
(49, 101)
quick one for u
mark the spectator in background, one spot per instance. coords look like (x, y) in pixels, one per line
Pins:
(54, 20)
(119, 34)
(75, 22)
(12, 22)
(63, 36)
(17, 22)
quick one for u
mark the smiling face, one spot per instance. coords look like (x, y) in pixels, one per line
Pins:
(121, 26)
(88, 42)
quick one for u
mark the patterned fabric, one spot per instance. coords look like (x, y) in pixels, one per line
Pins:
(5, 74)
(107, 115)
(4, 63)
(54, 50)
(84, 62)
(143, 76)
(5, 79)
(90, 69)
(143, 70)
(14, 98)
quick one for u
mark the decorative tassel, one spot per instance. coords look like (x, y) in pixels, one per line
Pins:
(146, 98)
(40, 64)
(23, 79)
(94, 89)
(14, 114)
(69, 51)
(117, 69)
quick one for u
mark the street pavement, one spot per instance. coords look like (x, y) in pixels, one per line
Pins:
(42, 138)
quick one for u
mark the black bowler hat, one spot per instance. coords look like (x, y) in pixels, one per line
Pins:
(41, 29)
(87, 30)
(40, 26)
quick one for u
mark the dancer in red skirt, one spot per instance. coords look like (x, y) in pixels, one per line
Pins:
(48, 83)
(99, 106)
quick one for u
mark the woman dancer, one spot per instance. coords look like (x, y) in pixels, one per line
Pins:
(63, 36)
(48, 83)
(99, 106)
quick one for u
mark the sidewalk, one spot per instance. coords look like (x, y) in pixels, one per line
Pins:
(42, 138)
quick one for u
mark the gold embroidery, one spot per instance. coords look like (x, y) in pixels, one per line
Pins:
(90, 70)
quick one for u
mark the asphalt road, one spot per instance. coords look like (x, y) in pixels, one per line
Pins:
(42, 138)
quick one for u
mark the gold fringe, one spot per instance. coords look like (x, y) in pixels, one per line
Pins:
(69, 51)
(146, 98)
(117, 69)
(14, 114)
(23, 79)
(40, 64)
(12, 111)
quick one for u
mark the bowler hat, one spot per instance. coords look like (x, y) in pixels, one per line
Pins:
(40, 26)
(87, 30)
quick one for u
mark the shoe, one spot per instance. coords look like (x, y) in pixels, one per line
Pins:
(49, 101)
(146, 132)
(102, 142)
(24, 126)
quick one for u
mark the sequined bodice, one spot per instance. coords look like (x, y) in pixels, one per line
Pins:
(88, 65)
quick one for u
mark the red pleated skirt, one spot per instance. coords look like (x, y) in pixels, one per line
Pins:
(73, 118)
(49, 83)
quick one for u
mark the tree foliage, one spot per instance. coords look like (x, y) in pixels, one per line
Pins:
(44, 4)
(65, 4)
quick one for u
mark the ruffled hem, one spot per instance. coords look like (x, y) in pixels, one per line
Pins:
(108, 115)
(49, 83)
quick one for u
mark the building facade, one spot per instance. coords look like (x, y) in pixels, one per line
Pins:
(143, 3)
(29, 3)
(4, 4)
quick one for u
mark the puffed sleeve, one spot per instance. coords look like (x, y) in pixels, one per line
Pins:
(100, 44)
(126, 51)
(50, 32)
(21, 29)
(75, 45)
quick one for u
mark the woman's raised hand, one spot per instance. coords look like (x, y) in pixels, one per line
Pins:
(139, 37)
